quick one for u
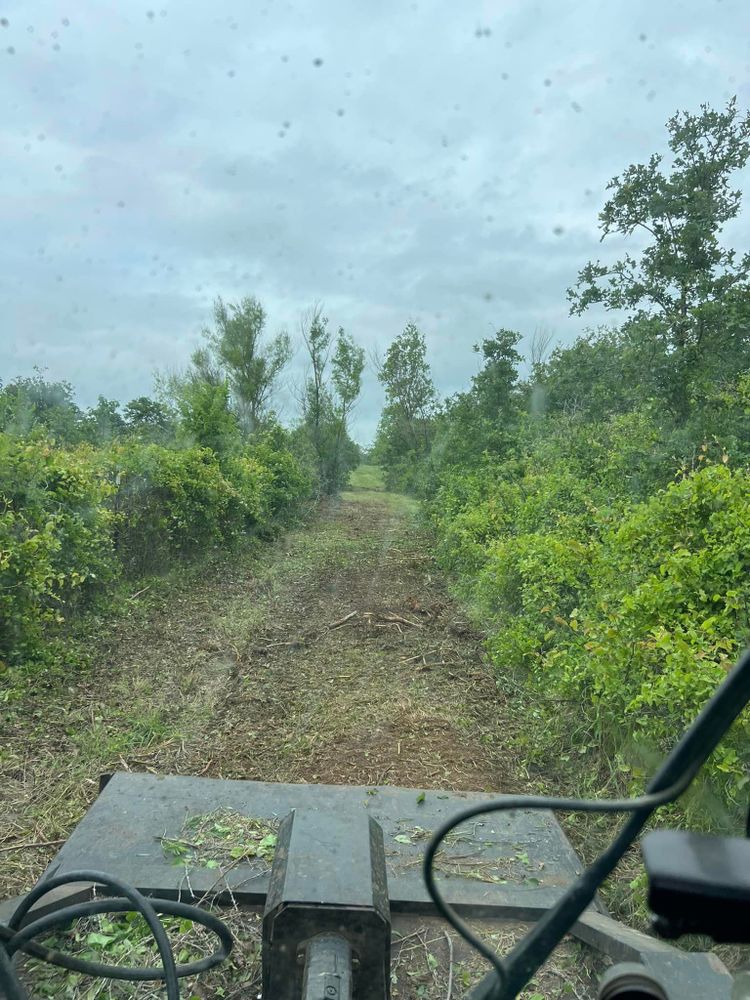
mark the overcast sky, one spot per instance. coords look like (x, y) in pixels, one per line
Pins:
(441, 162)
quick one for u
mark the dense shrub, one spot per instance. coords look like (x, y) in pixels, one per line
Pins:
(169, 502)
(666, 613)
(631, 608)
(75, 519)
(289, 481)
(55, 537)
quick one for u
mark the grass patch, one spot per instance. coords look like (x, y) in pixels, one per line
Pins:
(366, 483)
(366, 477)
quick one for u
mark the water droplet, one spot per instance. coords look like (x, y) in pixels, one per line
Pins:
(318, 61)
(547, 82)
(558, 230)
(575, 106)
(65, 22)
(150, 15)
(4, 22)
(11, 51)
(121, 204)
(340, 112)
(230, 72)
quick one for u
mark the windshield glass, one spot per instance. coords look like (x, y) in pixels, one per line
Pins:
(374, 410)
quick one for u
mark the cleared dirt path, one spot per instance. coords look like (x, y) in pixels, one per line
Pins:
(351, 664)
(334, 655)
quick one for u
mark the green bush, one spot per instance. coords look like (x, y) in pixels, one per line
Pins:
(632, 608)
(75, 519)
(55, 538)
(169, 503)
(667, 614)
(289, 483)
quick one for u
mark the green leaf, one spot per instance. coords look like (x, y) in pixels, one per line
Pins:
(402, 838)
(95, 938)
(420, 798)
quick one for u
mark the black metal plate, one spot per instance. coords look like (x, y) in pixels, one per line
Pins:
(514, 865)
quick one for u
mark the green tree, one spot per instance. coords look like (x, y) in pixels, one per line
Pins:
(407, 423)
(409, 390)
(482, 420)
(494, 386)
(207, 419)
(327, 405)
(686, 294)
(316, 402)
(33, 403)
(251, 367)
(147, 417)
(347, 365)
(104, 421)
(602, 373)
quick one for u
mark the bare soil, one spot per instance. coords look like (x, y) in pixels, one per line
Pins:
(335, 655)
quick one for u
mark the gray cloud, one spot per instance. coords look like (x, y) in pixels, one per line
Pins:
(424, 161)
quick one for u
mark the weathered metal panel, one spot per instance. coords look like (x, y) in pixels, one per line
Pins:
(510, 865)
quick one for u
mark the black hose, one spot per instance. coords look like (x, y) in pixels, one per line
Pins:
(645, 804)
(15, 939)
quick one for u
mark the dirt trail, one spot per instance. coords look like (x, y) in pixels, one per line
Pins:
(335, 655)
(353, 665)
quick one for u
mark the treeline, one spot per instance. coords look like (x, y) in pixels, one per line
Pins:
(223, 399)
(91, 497)
(596, 506)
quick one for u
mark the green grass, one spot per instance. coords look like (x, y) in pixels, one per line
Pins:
(366, 477)
(366, 483)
